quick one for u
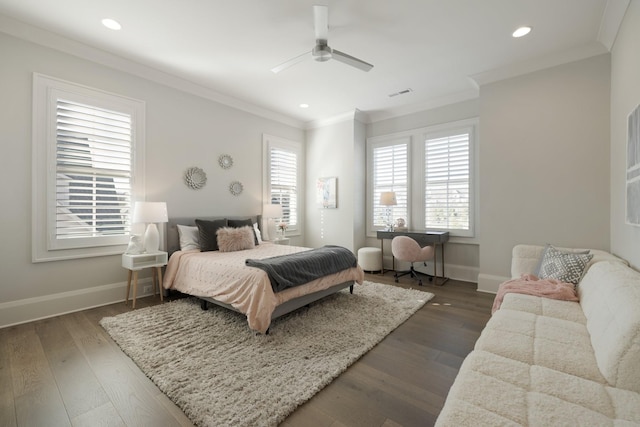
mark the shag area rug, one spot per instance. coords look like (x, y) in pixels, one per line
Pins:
(223, 374)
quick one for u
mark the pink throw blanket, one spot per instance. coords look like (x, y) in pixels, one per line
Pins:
(529, 284)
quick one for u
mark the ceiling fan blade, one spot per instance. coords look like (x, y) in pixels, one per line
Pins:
(350, 60)
(321, 22)
(291, 62)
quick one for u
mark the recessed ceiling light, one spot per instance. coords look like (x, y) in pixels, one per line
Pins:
(522, 31)
(304, 105)
(111, 24)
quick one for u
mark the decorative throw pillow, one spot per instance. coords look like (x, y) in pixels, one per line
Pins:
(567, 251)
(236, 238)
(563, 266)
(188, 237)
(242, 223)
(207, 233)
(258, 233)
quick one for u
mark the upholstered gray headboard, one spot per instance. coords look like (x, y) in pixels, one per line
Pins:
(172, 239)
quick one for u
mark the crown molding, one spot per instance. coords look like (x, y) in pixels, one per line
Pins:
(441, 101)
(611, 20)
(537, 64)
(338, 118)
(55, 41)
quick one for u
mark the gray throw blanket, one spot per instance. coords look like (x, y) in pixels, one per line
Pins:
(286, 271)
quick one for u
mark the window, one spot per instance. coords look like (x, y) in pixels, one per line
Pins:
(389, 166)
(432, 171)
(88, 151)
(447, 182)
(283, 178)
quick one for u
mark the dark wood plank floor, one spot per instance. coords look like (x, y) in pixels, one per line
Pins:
(66, 370)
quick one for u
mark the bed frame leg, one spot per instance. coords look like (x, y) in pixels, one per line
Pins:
(203, 304)
(351, 289)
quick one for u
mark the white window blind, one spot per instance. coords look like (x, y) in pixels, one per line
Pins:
(390, 173)
(93, 166)
(447, 182)
(88, 163)
(283, 178)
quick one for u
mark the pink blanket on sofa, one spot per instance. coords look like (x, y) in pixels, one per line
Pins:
(529, 284)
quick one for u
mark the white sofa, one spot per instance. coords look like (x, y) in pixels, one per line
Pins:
(544, 362)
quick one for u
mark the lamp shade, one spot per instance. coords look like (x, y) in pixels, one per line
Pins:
(272, 211)
(150, 212)
(388, 198)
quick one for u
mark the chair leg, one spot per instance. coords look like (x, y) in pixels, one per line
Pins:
(398, 274)
(411, 272)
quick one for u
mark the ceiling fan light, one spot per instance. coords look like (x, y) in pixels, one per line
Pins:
(321, 53)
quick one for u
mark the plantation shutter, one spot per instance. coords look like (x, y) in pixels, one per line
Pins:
(93, 166)
(447, 182)
(390, 173)
(283, 166)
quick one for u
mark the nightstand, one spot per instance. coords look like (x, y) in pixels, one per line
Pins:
(137, 262)
(282, 241)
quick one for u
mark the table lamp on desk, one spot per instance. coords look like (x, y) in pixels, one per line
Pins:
(388, 199)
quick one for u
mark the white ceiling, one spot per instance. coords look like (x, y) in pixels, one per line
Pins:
(440, 49)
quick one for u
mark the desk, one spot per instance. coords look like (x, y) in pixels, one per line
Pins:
(424, 238)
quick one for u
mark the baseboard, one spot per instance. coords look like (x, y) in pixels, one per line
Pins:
(30, 309)
(489, 283)
(463, 273)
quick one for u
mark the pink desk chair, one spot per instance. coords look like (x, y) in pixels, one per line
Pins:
(406, 249)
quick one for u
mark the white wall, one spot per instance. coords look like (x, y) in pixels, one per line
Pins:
(334, 150)
(625, 96)
(183, 130)
(359, 184)
(544, 163)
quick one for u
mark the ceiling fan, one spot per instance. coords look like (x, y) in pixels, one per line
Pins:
(321, 51)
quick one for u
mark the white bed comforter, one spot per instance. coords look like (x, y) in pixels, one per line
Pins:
(224, 277)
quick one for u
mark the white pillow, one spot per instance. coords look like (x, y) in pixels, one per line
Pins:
(189, 237)
(258, 233)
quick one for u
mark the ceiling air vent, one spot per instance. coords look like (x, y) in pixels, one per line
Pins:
(402, 92)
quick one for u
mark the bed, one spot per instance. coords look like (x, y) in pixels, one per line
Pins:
(222, 278)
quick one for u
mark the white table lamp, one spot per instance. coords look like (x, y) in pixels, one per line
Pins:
(150, 213)
(388, 199)
(270, 212)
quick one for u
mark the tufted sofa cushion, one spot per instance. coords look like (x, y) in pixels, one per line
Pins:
(610, 300)
(542, 362)
(560, 343)
(492, 390)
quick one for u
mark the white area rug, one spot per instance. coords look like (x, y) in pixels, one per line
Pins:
(223, 374)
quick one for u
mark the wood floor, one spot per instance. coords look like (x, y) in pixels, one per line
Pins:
(67, 371)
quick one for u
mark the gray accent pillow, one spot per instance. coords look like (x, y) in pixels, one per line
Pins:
(207, 233)
(536, 271)
(563, 266)
(241, 223)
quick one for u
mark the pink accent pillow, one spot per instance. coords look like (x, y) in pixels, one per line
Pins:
(235, 239)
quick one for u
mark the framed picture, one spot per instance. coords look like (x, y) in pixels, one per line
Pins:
(326, 193)
(633, 168)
